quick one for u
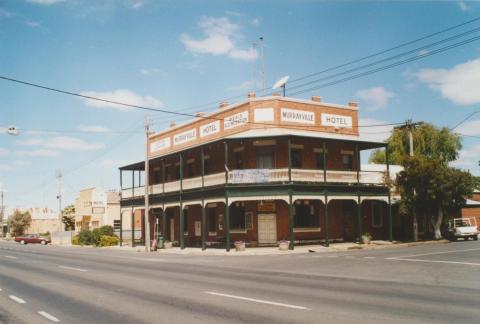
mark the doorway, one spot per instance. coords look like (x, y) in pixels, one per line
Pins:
(267, 229)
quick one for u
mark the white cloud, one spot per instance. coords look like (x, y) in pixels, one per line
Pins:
(121, 95)
(377, 133)
(93, 129)
(255, 21)
(244, 86)
(5, 167)
(471, 128)
(112, 163)
(61, 143)
(151, 71)
(45, 2)
(3, 151)
(221, 37)
(463, 6)
(5, 13)
(33, 24)
(22, 163)
(459, 84)
(37, 153)
(468, 158)
(136, 4)
(376, 98)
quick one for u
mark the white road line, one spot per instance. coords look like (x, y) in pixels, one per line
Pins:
(433, 253)
(332, 256)
(11, 257)
(435, 261)
(71, 268)
(256, 300)
(48, 316)
(369, 257)
(18, 300)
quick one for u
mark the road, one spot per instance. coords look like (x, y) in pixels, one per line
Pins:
(423, 284)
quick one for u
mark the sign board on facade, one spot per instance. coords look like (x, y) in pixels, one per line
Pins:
(336, 120)
(160, 144)
(235, 120)
(266, 206)
(185, 137)
(263, 114)
(249, 176)
(297, 116)
(209, 129)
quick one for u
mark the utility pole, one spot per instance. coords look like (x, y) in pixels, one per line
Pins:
(410, 126)
(262, 71)
(59, 197)
(147, 182)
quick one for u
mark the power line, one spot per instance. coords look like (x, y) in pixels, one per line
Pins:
(411, 59)
(36, 85)
(464, 120)
(386, 51)
(415, 50)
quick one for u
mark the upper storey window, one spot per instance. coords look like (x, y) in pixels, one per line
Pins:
(347, 160)
(297, 158)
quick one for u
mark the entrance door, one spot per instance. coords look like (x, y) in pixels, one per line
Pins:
(172, 229)
(267, 229)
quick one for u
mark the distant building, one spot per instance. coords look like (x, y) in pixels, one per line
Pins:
(44, 219)
(95, 208)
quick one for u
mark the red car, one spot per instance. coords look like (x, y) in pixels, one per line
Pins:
(32, 238)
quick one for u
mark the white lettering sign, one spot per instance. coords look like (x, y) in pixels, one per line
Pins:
(209, 129)
(159, 145)
(298, 116)
(263, 114)
(336, 120)
(184, 137)
(249, 176)
(235, 120)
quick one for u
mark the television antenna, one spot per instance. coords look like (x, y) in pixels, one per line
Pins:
(281, 83)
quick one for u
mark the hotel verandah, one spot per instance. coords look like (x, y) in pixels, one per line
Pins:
(288, 169)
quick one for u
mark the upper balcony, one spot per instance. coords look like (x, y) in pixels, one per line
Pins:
(261, 176)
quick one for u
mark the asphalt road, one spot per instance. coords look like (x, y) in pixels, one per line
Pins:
(422, 284)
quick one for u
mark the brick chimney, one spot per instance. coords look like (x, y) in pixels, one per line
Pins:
(353, 104)
(223, 104)
(317, 98)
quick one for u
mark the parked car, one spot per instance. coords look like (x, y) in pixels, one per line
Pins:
(32, 238)
(462, 228)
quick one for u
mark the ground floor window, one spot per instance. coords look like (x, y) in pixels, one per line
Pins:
(377, 214)
(237, 217)
(95, 224)
(305, 216)
(212, 219)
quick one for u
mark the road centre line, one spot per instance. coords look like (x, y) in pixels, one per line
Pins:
(261, 301)
(17, 299)
(49, 316)
(10, 256)
(433, 253)
(71, 268)
(436, 261)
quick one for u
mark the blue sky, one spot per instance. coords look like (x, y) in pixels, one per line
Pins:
(178, 54)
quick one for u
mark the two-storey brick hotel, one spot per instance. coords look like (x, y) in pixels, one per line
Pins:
(259, 171)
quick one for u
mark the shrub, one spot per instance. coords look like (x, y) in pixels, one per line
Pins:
(101, 231)
(107, 240)
(75, 240)
(85, 237)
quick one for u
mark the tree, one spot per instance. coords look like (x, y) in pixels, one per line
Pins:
(430, 142)
(19, 222)
(68, 218)
(431, 188)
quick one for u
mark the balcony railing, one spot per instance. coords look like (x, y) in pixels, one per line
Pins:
(261, 176)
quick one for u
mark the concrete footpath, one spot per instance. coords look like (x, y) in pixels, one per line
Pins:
(334, 247)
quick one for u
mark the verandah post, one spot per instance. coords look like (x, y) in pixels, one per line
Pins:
(121, 216)
(325, 219)
(202, 223)
(227, 207)
(133, 216)
(182, 220)
(359, 202)
(390, 218)
(291, 246)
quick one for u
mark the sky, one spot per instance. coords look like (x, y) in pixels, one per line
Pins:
(186, 56)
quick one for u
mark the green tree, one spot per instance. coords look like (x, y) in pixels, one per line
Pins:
(432, 188)
(68, 218)
(430, 142)
(19, 222)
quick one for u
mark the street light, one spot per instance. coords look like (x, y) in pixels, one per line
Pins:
(10, 130)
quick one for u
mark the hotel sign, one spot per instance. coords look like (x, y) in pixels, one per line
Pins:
(209, 129)
(297, 116)
(159, 145)
(249, 176)
(336, 120)
(185, 137)
(235, 120)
